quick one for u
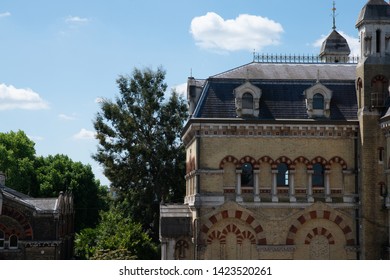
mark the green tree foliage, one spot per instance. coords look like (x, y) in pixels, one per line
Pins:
(117, 238)
(140, 147)
(59, 173)
(48, 176)
(17, 161)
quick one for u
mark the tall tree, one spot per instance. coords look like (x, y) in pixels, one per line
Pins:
(140, 147)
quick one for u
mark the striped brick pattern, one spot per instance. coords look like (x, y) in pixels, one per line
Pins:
(320, 214)
(221, 236)
(21, 219)
(259, 237)
(319, 231)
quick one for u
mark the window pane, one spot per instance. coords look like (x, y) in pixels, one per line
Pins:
(318, 175)
(13, 241)
(318, 101)
(247, 175)
(247, 101)
(282, 178)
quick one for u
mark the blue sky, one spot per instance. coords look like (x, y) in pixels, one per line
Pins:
(57, 58)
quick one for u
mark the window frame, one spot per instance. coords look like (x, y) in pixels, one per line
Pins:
(318, 101)
(11, 241)
(247, 178)
(247, 101)
(283, 179)
(318, 177)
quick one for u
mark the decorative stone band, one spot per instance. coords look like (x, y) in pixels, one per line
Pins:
(276, 248)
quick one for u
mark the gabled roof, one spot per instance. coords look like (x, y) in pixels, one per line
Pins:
(282, 87)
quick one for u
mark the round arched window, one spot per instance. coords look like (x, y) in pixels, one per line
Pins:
(247, 174)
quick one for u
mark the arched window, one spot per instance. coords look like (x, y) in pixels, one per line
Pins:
(13, 242)
(247, 101)
(282, 178)
(318, 101)
(2, 239)
(318, 175)
(247, 174)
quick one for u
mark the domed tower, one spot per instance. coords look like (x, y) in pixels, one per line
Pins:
(335, 48)
(372, 81)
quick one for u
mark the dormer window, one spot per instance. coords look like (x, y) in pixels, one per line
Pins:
(318, 101)
(247, 97)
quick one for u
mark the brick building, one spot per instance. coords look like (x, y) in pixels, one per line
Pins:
(289, 157)
(35, 228)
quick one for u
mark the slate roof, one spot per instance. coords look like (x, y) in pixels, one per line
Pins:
(39, 204)
(335, 44)
(283, 89)
(374, 10)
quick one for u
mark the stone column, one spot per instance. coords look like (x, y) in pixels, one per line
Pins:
(274, 190)
(310, 186)
(291, 174)
(238, 186)
(256, 177)
(328, 197)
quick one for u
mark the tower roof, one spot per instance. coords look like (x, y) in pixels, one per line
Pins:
(374, 10)
(335, 44)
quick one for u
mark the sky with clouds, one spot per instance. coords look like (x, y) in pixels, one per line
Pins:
(60, 58)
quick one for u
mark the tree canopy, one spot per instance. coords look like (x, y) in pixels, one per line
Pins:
(48, 176)
(140, 147)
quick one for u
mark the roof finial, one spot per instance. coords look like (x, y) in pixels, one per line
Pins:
(334, 15)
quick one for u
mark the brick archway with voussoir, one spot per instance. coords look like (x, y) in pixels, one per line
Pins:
(320, 214)
(231, 228)
(247, 218)
(229, 159)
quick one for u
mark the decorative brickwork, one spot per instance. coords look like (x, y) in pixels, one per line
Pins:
(320, 214)
(245, 217)
(319, 231)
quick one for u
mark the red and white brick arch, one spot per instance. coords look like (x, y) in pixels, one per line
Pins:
(320, 214)
(259, 238)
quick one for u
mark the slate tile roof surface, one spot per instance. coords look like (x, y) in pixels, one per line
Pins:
(282, 91)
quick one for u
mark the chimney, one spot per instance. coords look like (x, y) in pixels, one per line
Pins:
(2, 179)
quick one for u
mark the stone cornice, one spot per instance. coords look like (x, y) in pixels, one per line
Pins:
(280, 129)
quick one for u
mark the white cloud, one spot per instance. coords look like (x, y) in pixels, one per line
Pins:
(6, 14)
(19, 98)
(246, 32)
(84, 134)
(72, 19)
(65, 117)
(99, 100)
(353, 43)
(181, 89)
(35, 138)
(76, 20)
